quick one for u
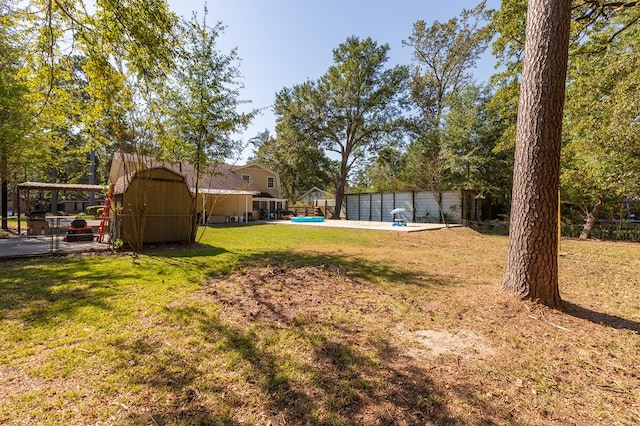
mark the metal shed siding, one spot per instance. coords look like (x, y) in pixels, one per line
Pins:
(365, 207)
(351, 200)
(452, 203)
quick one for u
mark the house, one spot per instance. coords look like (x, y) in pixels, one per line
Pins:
(315, 195)
(226, 193)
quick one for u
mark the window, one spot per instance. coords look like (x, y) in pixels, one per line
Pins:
(246, 178)
(271, 182)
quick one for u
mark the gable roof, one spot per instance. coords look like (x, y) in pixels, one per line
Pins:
(121, 185)
(253, 165)
(327, 194)
(215, 179)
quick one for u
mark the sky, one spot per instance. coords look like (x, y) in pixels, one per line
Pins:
(282, 43)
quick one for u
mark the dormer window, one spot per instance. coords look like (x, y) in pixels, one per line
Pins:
(246, 178)
(271, 182)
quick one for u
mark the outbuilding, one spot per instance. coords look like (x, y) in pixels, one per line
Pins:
(152, 206)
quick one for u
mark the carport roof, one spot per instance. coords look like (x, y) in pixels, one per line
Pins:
(61, 186)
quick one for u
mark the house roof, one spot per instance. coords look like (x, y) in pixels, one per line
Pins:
(315, 189)
(216, 179)
(252, 165)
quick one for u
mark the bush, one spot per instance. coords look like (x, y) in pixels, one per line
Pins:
(95, 211)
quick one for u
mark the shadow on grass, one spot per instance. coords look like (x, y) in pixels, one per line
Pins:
(184, 251)
(322, 379)
(357, 268)
(52, 294)
(600, 317)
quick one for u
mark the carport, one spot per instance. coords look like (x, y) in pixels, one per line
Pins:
(43, 186)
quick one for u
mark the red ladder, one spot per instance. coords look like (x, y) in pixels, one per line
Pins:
(104, 220)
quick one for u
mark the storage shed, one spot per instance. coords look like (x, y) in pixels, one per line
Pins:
(152, 206)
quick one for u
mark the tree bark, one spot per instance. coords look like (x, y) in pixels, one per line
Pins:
(532, 261)
(4, 193)
(341, 188)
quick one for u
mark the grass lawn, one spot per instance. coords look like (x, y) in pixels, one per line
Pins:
(275, 325)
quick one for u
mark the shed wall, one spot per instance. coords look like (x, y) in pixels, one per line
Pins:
(158, 205)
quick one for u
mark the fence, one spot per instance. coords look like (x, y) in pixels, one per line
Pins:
(43, 238)
(420, 206)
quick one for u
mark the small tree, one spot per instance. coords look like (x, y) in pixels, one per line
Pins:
(15, 114)
(300, 164)
(204, 104)
(445, 54)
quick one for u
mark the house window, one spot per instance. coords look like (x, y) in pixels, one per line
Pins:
(246, 178)
(271, 182)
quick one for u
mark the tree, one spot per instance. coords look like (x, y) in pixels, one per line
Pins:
(382, 173)
(532, 263)
(351, 109)
(204, 113)
(300, 164)
(15, 114)
(471, 133)
(601, 156)
(445, 53)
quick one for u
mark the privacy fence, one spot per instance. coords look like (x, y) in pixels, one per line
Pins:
(420, 206)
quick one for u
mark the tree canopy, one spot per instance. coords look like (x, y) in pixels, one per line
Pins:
(353, 110)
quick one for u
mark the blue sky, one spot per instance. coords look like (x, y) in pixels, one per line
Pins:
(285, 42)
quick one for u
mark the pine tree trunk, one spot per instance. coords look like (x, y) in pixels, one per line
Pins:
(532, 261)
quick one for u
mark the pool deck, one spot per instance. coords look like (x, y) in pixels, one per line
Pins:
(362, 224)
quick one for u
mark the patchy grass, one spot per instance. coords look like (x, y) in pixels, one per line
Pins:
(269, 324)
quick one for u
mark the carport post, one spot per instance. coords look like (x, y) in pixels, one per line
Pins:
(18, 209)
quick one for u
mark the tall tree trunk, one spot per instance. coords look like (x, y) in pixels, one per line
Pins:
(532, 261)
(592, 217)
(340, 188)
(4, 193)
(4, 201)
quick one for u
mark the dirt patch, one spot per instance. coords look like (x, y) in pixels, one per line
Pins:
(286, 295)
(463, 343)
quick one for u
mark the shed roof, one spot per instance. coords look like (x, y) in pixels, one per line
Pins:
(123, 182)
(215, 179)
